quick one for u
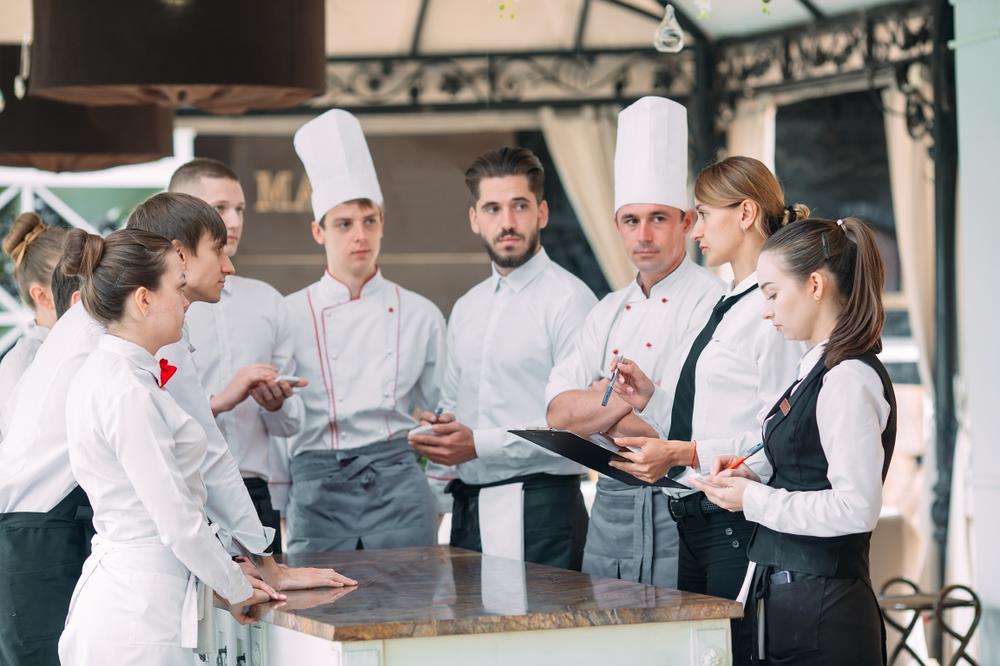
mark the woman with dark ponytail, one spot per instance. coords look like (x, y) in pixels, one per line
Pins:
(829, 439)
(721, 386)
(138, 456)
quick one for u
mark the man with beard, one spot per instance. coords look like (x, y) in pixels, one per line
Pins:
(511, 498)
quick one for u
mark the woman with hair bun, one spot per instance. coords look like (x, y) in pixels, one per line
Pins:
(138, 456)
(720, 386)
(829, 439)
(35, 250)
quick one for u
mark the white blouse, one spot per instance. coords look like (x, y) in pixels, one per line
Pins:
(851, 414)
(138, 457)
(20, 356)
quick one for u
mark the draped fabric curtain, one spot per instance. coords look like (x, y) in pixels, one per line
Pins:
(582, 145)
(751, 132)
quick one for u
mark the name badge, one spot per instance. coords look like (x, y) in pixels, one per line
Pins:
(784, 406)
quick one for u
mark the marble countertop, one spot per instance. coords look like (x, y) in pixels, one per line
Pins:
(419, 592)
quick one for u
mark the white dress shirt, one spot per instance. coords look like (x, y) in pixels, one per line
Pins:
(138, 456)
(370, 362)
(504, 337)
(249, 325)
(20, 356)
(741, 372)
(648, 330)
(851, 414)
(34, 461)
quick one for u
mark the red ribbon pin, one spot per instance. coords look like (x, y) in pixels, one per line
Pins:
(166, 372)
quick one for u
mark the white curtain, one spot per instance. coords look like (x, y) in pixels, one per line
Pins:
(583, 148)
(751, 132)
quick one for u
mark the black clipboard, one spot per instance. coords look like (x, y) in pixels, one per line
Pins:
(588, 453)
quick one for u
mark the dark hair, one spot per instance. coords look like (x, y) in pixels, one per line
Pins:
(506, 161)
(63, 287)
(35, 249)
(179, 217)
(198, 168)
(847, 249)
(738, 178)
(111, 268)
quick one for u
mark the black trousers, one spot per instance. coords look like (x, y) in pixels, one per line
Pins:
(261, 498)
(713, 561)
(41, 555)
(555, 519)
(820, 621)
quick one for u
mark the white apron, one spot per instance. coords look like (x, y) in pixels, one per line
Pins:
(135, 603)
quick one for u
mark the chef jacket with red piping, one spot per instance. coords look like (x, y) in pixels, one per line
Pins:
(370, 362)
(647, 329)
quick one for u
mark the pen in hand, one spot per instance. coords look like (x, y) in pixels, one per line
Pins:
(611, 384)
(753, 449)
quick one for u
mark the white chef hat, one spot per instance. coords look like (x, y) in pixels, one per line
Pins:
(651, 154)
(333, 150)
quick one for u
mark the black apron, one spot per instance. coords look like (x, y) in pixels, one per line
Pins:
(41, 555)
(261, 498)
(555, 518)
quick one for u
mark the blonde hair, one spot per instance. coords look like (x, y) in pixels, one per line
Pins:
(35, 250)
(738, 178)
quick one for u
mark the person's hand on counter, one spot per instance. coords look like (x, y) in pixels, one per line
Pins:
(285, 578)
(242, 611)
(300, 600)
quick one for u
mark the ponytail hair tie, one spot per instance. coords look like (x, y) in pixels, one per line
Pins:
(840, 223)
(792, 215)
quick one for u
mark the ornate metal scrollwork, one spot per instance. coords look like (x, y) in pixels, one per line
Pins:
(507, 81)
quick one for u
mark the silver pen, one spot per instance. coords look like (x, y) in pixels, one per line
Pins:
(611, 384)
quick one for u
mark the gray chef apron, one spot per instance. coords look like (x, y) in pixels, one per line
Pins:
(374, 496)
(631, 535)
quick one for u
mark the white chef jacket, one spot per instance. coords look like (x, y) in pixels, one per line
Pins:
(138, 456)
(741, 372)
(34, 465)
(648, 330)
(248, 325)
(370, 362)
(20, 356)
(504, 337)
(851, 414)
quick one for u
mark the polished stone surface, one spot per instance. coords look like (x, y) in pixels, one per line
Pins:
(417, 592)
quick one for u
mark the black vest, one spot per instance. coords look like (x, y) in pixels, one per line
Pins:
(794, 451)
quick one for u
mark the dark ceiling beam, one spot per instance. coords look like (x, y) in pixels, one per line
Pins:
(581, 24)
(683, 19)
(811, 7)
(418, 28)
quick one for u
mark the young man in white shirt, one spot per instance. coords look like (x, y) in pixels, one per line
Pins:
(511, 498)
(373, 351)
(242, 345)
(632, 535)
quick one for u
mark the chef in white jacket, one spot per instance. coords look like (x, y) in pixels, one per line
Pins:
(631, 534)
(373, 353)
(138, 457)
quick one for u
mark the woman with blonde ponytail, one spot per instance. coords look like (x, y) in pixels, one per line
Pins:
(720, 386)
(829, 439)
(34, 250)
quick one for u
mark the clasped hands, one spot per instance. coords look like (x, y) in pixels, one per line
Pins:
(451, 444)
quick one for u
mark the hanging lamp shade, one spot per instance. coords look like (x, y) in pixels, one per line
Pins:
(221, 56)
(55, 136)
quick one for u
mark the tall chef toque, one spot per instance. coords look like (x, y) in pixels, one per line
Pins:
(651, 154)
(334, 152)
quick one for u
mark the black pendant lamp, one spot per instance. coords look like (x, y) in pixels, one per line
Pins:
(55, 136)
(221, 56)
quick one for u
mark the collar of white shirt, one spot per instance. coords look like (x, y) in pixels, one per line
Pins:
(811, 358)
(522, 276)
(132, 352)
(744, 284)
(661, 288)
(337, 292)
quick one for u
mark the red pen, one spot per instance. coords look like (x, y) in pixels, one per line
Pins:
(757, 447)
